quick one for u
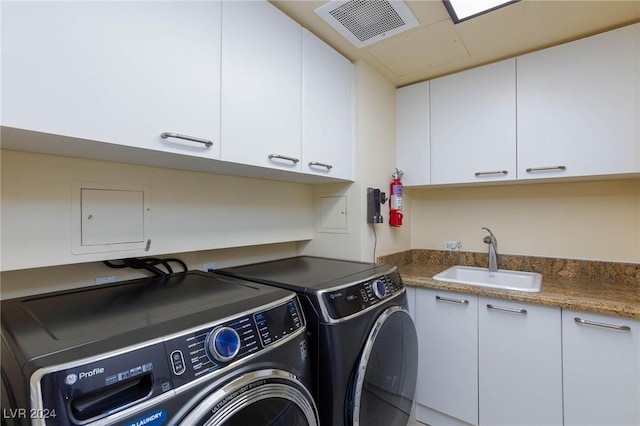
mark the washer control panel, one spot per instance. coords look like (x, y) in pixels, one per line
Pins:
(94, 389)
(354, 298)
(203, 351)
(224, 343)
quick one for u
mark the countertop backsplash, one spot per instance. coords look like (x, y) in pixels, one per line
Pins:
(627, 273)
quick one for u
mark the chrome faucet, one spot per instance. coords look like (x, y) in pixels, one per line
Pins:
(493, 250)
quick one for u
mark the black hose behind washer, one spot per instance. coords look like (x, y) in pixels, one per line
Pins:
(148, 264)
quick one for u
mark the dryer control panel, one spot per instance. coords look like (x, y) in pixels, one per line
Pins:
(354, 298)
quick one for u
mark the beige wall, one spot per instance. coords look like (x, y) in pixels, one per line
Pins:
(231, 220)
(40, 280)
(376, 134)
(581, 220)
(200, 216)
(190, 211)
(375, 163)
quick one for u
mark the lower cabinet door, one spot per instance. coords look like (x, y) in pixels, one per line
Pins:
(520, 363)
(601, 369)
(448, 354)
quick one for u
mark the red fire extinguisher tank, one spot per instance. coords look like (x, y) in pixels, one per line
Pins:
(395, 200)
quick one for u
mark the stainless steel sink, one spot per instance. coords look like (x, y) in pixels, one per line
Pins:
(482, 277)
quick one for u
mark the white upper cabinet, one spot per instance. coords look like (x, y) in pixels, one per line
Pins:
(601, 369)
(261, 86)
(568, 111)
(578, 107)
(121, 73)
(326, 109)
(161, 83)
(412, 134)
(473, 125)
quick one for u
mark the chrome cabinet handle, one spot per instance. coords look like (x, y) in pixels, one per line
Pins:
(505, 309)
(545, 169)
(315, 163)
(602, 324)
(283, 157)
(494, 172)
(206, 142)
(458, 301)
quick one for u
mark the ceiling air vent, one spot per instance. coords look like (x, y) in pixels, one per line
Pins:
(364, 22)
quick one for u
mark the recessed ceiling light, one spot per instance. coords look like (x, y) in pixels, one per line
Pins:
(461, 10)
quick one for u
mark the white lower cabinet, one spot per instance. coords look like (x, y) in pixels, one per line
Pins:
(447, 389)
(519, 363)
(487, 361)
(601, 369)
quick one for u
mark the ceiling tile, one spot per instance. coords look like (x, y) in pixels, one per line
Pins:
(439, 48)
(420, 49)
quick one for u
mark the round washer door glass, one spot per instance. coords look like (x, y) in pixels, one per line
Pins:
(272, 411)
(385, 382)
(264, 397)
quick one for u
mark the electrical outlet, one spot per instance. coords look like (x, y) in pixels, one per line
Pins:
(452, 245)
(207, 266)
(105, 280)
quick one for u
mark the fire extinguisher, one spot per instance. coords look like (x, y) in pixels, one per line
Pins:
(395, 200)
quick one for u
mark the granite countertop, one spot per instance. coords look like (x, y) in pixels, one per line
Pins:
(602, 296)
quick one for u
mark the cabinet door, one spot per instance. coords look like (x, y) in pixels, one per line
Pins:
(520, 363)
(601, 369)
(448, 353)
(473, 125)
(261, 85)
(412, 134)
(578, 107)
(326, 109)
(116, 72)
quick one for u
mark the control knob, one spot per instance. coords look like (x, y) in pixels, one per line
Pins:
(379, 289)
(224, 344)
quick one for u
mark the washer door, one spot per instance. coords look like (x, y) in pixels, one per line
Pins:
(385, 381)
(264, 397)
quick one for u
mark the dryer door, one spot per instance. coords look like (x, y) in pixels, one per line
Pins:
(385, 382)
(264, 397)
